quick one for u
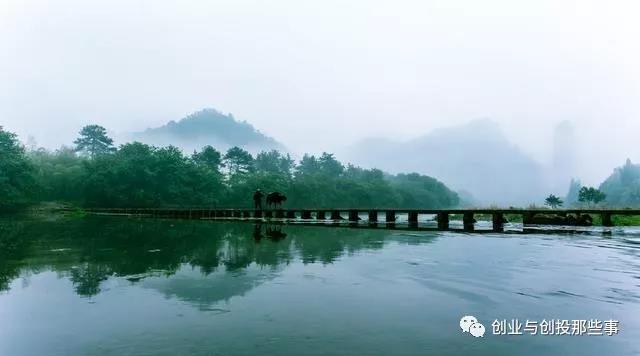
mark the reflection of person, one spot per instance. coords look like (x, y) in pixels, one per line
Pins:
(257, 199)
(257, 232)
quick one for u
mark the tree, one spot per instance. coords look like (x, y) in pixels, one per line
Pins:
(274, 162)
(238, 160)
(553, 201)
(208, 157)
(329, 164)
(591, 195)
(308, 166)
(17, 183)
(94, 141)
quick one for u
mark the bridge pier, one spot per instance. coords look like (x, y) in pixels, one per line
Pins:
(291, 214)
(305, 215)
(443, 220)
(373, 216)
(606, 219)
(321, 215)
(335, 215)
(390, 217)
(413, 218)
(468, 221)
(498, 222)
(279, 214)
(257, 213)
(353, 216)
(246, 214)
(527, 218)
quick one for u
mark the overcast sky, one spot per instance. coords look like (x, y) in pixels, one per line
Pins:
(323, 74)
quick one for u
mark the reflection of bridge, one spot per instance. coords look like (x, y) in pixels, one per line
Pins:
(386, 216)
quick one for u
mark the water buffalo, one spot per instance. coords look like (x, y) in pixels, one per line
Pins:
(275, 199)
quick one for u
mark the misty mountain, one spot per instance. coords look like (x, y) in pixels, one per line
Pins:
(475, 158)
(622, 187)
(208, 127)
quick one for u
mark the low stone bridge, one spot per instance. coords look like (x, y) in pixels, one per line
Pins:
(373, 216)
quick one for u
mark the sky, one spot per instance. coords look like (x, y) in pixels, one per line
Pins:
(321, 75)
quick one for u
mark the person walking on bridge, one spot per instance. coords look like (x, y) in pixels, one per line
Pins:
(257, 199)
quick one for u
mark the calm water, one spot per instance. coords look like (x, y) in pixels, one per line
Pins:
(119, 286)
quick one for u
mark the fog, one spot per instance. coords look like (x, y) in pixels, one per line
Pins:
(323, 75)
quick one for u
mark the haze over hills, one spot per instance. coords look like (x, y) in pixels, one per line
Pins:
(209, 127)
(474, 158)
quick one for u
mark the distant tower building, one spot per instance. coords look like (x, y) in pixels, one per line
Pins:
(563, 165)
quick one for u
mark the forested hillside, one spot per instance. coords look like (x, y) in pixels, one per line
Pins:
(622, 187)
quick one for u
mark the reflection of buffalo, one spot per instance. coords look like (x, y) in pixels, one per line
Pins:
(275, 233)
(275, 199)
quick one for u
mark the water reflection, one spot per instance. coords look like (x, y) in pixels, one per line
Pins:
(168, 287)
(272, 232)
(89, 251)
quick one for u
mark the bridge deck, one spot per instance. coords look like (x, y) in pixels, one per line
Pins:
(388, 215)
(626, 211)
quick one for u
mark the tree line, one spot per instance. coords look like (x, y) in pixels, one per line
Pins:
(96, 173)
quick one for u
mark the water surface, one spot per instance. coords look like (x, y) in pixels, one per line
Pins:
(121, 286)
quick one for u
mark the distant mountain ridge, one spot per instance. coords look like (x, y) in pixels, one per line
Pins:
(209, 127)
(476, 158)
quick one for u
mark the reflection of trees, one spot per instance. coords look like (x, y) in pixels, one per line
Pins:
(12, 251)
(97, 248)
(87, 277)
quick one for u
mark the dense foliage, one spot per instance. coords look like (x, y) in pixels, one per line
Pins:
(591, 195)
(16, 173)
(140, 175)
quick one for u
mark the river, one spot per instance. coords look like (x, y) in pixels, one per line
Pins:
(126, 286)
